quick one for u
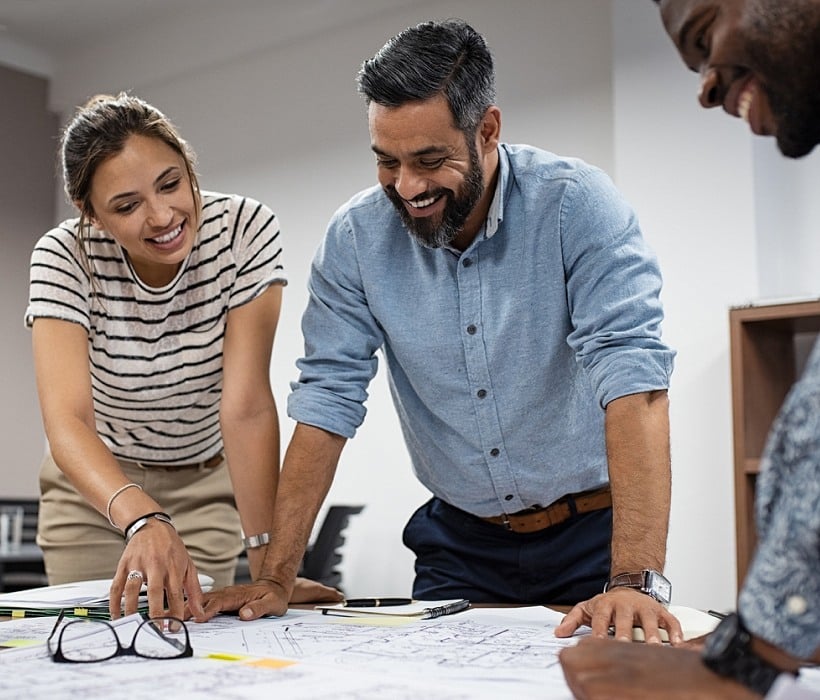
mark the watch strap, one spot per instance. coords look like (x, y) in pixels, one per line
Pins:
(648, 581)
(738, 661)
(629, 579)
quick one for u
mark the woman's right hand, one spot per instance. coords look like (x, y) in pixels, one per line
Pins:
(158, 553)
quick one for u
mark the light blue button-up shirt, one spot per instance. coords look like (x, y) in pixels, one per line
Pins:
(502, 358)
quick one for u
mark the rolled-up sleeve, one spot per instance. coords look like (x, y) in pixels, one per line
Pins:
(341, 339)
(613, 287)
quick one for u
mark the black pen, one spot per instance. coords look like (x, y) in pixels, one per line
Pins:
(715, 613)
(375, 602)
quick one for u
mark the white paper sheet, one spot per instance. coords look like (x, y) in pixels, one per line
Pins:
(479, 654)
(476, 654)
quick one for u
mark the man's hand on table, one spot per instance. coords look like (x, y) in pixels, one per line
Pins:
(623, 608)
(266, 597)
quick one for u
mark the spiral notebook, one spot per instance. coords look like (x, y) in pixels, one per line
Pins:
(418, 609)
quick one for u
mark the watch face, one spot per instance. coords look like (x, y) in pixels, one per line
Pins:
(659, 586)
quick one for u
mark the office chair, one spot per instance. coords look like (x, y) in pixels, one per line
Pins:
(322, 557)
(25, 569)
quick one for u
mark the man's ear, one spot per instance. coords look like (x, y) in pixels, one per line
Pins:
(489, 131)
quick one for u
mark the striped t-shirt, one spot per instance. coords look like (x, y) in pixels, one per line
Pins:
(155, 354)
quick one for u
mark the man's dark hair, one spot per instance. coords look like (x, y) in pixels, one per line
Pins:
(448, 58)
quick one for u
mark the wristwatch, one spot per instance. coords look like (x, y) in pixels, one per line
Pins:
(255, 541)
(728, 652)
(648, 581)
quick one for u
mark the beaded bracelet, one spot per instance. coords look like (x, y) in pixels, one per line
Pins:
(142, 521)
(114, 495)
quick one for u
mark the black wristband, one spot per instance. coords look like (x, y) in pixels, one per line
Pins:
(142, 521)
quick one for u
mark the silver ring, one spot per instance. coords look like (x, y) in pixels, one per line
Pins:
(134, 575)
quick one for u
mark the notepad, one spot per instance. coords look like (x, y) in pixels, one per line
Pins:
(418, 609)
(693, 622)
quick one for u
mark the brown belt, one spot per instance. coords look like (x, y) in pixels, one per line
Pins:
(535, 519)
(209, 463)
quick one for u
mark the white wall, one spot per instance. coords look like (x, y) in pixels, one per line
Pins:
(689, 173)
(788, 212)
(732, 221)
(279, 119)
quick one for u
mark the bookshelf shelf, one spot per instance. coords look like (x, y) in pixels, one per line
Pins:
(769, 344)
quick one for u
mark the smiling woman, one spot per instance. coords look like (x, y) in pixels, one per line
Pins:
(153, 317)
(143, 197)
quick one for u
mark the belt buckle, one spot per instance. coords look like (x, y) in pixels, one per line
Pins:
(505, 517)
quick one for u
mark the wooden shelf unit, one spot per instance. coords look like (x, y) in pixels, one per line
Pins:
(769, 344)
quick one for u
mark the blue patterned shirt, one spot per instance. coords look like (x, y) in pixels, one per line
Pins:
(780, 599)
(502, 358)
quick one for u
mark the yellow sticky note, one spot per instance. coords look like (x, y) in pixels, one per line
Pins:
(371, 621)
(271, 663)
(16, 643)
(225, 657)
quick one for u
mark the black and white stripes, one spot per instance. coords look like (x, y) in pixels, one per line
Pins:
(155, 354)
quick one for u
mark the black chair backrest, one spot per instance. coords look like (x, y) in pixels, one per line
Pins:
(322, 558)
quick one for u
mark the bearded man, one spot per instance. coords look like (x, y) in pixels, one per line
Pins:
(517, 307)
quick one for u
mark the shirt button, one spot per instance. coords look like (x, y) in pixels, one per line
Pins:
(481, 393)
(467, 262)
(495, 452)
(508, 497)
(796, 605)
(471, 329)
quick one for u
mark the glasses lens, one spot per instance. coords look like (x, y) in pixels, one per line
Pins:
(162, 638)
(88, 640)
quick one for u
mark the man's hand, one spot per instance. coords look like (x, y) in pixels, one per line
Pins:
(602, 669)
(307, 591)
(266, 597)
(624, 608)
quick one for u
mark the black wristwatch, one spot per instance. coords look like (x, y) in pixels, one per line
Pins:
(648, 581)
(728, 652)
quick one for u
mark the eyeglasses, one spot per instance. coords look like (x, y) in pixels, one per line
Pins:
(87, 641)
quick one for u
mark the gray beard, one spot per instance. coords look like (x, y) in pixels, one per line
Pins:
(459, 206)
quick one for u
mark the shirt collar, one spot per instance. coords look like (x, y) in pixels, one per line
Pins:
(495, 215)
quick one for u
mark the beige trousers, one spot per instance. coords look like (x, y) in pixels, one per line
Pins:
(79, 544)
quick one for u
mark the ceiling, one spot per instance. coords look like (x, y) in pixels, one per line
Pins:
(58, 27)
(55, 26)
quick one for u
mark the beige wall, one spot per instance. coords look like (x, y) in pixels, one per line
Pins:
(28, 137)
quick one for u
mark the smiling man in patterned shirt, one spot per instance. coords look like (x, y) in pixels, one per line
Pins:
(760, 61)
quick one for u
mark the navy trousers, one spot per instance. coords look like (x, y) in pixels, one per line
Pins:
(459, 555)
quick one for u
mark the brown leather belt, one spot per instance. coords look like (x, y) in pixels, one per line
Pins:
(209, 463)
(535, 519)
